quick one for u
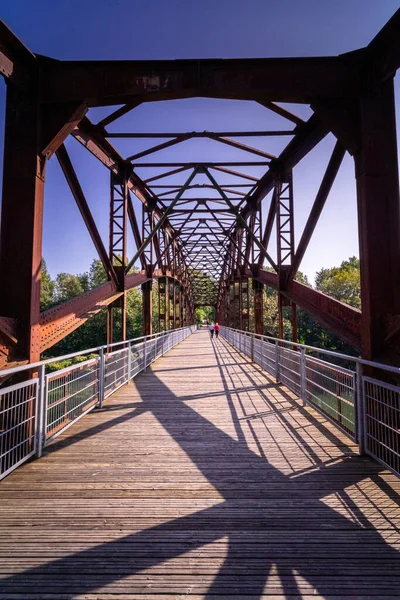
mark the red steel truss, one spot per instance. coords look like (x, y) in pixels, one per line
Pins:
(200, 230)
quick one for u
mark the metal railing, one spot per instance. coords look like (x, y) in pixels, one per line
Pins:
(38, 410)
(338, 386)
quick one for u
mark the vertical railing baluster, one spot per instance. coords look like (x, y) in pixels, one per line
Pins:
(360, 421)
(41, 411)
(303, 380)
(277, 363)
(129, 361)
(102, 377)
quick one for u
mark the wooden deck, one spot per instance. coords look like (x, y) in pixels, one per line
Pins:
(202, 479)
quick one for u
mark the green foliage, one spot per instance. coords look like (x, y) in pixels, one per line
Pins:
(63, 364)
(46, 288)
(204, 313)
(342, 283)
(68, 286)
(155, 306)
(93, 332)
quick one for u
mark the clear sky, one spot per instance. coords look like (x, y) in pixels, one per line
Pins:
(137, 29)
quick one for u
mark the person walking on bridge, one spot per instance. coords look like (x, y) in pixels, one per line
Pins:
(211, 329)
(216, 329)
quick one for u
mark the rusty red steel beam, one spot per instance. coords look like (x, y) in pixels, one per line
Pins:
(316, 210)
(77, 192)
(341, 319)
(268, 227)
(199, 134)
(308, 135)
(120, 112)
(135, 229)
(57, 124)
(235, 173)
(166, 174)
(91, 137)
(163, 146)
(239, 146)
(58, 322)
(15, 57)
(101, 83)
(8, 329)
(383, 52)
(193, 165)
(283, 112)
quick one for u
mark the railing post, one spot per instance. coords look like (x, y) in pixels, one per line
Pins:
(101, 377)
(360, 409)
(129, 361)
(145, 354)
(252, 347)
(303, 382)
(277, 365)
(41, 411)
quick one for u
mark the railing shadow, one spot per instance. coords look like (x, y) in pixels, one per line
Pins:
(285, 536)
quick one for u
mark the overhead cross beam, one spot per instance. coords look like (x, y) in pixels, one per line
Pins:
(352, 96)
(76, 190)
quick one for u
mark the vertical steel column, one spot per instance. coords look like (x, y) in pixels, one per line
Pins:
(280, 317)
(117, 247)
(181, 309)
(379, 225)
(285, 244)
(147, 227)
(147, 304)
(110, 324)
(167, 304)
(245, 302)
(177, 320)
(227, 296)
(171, 294)
(22, 217)
(258, 288)
(162, 304)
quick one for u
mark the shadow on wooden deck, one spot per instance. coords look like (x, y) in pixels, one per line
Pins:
(295, 512)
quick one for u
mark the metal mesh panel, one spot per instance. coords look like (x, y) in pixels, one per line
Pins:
(257, 352)
(116, 370)
(71, 392)
(137, 359)
(382, 422)
(289, 369)
(269, 357)
(331, 390)
(18, 408)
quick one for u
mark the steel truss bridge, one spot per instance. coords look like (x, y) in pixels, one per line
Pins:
(200, 231)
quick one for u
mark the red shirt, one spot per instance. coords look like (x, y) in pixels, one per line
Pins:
(217, 327)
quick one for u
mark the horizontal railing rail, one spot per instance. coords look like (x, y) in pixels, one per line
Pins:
(338, 386)
(36, 411)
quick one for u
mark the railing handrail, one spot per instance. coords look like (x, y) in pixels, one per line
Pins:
(365, 408)
(355, 359)
(47, 361)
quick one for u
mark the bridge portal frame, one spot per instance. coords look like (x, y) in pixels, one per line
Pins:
(352, 96)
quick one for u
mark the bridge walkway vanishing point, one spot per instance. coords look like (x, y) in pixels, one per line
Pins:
(201, 479)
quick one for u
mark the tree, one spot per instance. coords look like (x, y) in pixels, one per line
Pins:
(67, 286)
(46, 288)
(204, 313)
(342, 283)
(94, 331)
(271, 314)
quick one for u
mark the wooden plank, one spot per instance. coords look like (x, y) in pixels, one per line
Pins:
(202, 478)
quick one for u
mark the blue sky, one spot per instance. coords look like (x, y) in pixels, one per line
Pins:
(134, 29)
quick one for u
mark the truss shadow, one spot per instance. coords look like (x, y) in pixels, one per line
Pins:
(286, 536)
